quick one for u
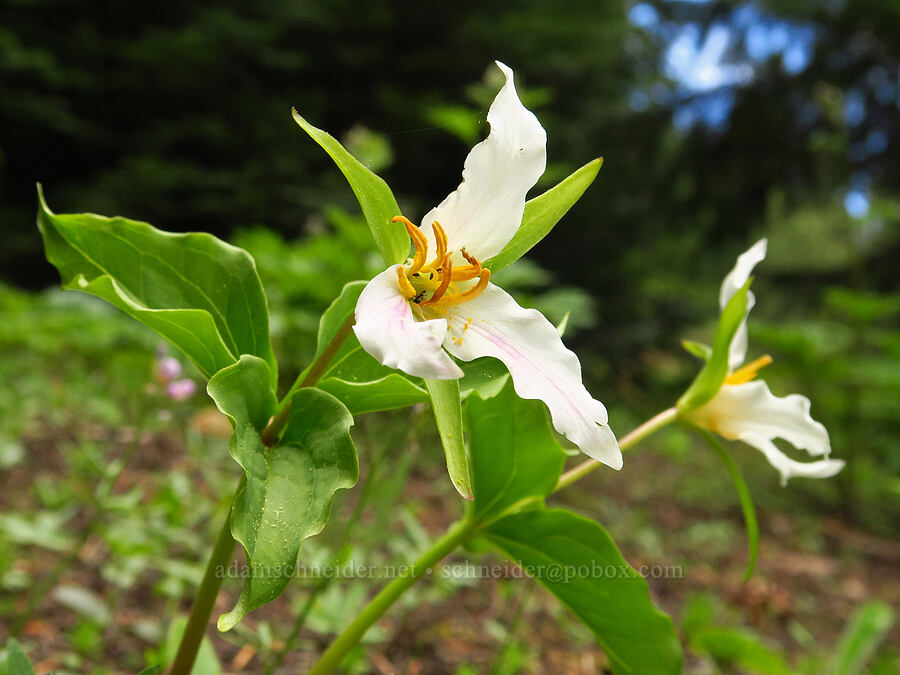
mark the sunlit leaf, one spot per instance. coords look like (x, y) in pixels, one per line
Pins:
(375, 197)
(200, 293)
(543, 212)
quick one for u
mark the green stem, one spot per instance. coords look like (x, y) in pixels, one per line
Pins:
(335, 653)
(206, 598)
(652, 425)
(307, 379)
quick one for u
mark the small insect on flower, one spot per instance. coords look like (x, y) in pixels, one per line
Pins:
(441, 303)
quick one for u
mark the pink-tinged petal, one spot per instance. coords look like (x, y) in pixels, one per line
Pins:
(486, 209)
(750, 412)
(493, 324)
(167, 369)
(387, 329)
(732, 283)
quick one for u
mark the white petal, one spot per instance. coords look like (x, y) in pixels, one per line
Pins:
(790, 468)
(387, 330)
(486, 209)
(733, 282)
(541, 367)
(751, 413)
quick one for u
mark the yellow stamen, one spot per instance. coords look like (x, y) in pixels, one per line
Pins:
(406, 288)
(470, 271)
(472, 293)
(440, 238)
(748, 372)
(446, 270)
(419, 241)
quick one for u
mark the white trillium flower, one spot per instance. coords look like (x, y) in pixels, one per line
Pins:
(744, 409)
(441, 302)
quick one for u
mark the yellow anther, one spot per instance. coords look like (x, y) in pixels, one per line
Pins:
(472, 293)
(446, 270)
(406, 288)
(419, 241)
(749, 371)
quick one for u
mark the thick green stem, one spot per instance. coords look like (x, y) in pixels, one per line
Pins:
(316, 370)
(655, 423)
(335, 653)
(206, 598)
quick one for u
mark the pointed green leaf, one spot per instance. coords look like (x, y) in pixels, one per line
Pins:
(698, 349)
(709, 380)
(200, 293)
(577, 561)
(375, 197)
(289, 487)
(447, 407)
(15, 661)
(515, 457)
(543, 212)
(747, 507)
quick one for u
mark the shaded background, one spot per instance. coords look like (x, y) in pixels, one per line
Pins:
(719, 122)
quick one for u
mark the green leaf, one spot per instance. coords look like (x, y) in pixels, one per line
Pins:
(375, 197)
(289, 487)
(515, 456)
(698, 349)
(195, 290)
(709, 380)
(388, 393)
(16, 662)
(206, 663)
(154, 670)
(577, 561)
(867, 627)
(447, 407)
(746, 499)
(543, 212)
(485, 376)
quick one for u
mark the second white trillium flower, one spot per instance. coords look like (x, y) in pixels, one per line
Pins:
(744, 409)
(410, 316)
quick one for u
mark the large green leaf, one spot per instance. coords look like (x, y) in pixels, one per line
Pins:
(710, 378)
(447, 407)
(543, 212)
(577, 561)
(515, 457)
(375, 197)
(200, 293)
(289, 487)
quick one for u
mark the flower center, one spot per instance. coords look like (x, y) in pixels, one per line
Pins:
(438, 282)
(749, 371)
